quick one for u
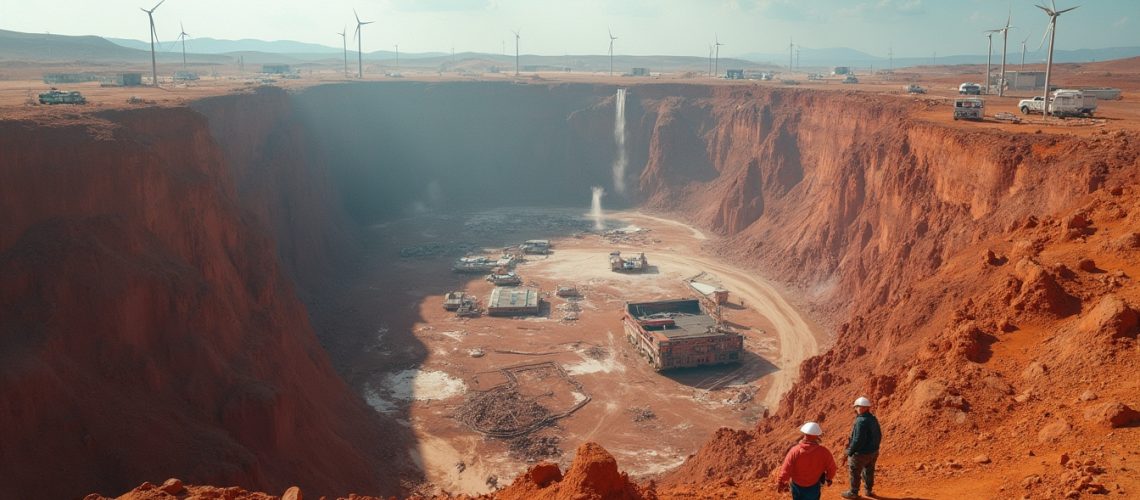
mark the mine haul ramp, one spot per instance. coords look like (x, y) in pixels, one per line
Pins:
(679, 334)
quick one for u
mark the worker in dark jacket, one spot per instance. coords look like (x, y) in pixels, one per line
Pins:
(807, 466)
(863, 450)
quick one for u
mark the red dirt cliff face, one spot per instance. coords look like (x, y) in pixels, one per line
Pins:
(146, 329)
(953, 264)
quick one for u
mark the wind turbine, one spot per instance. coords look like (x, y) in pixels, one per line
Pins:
(1004, 48)
(1023, 52)
(516, 32)
(612, 38)
(1053, 15)
(717, 44)
(183, 36)
(344, 42)
(153, 35)
(397, 58)
(359, 45)
(791, 54)
(989, 55)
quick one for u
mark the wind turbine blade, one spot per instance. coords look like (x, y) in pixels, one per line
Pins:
(181, 27)
(1054, 4)
(156, 5)
(356, 15)
(1046, 9)
(1044, 36)
(1066, 10)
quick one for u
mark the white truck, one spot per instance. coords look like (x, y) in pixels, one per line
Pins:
(1063, 103)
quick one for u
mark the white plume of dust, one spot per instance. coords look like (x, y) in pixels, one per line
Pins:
(619, 139)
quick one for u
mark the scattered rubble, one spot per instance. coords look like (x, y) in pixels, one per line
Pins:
(641, 414)
(532, 448)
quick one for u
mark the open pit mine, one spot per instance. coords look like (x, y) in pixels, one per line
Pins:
(560, 290)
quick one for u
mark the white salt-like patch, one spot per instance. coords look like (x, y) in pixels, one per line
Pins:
(376, 402)
(578, 397)
(423, 385)
(455, 334)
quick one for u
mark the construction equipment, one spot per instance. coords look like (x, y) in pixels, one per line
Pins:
(635, 265)
(502, 277)
(969, 108)
(55, 96)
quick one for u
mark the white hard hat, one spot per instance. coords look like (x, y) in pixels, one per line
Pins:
(863, 402)
(811, 429)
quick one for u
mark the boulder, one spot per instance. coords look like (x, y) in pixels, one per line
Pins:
(172, 486)
(1111, 317)
(1113, 415)
(293, 493)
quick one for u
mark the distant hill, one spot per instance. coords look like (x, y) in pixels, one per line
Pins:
(841, 56)
(216, 46)
(43, 47)
(17, 46)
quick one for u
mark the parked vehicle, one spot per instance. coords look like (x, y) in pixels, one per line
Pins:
(850, 79)
(1062, 103)
(915, 89)
(1102, 93)
(969, 108)
(55, 96)
(970, 88)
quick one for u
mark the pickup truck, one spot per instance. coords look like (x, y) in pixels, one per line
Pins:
(970, 88)
(1062, 103)
(914, 89)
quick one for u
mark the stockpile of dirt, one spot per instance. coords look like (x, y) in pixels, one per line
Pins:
(593, 474)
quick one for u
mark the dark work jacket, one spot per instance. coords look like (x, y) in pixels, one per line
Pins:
(865, 435)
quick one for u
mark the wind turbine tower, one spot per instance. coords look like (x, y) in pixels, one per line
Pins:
(359, 45)
(397, 58)
(153, 35)
(344, 42)
(1004, 49)
(716, 63)
(516, 32)
(791, 54)
(989, 55)
(183, 36)
(1053, 15)
(612, 38)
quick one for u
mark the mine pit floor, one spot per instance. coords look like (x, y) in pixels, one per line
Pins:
(412, 360)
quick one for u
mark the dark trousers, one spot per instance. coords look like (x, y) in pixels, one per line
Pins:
(862, 465)
(805, 492)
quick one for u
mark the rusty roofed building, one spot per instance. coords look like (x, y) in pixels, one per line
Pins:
(679, 334)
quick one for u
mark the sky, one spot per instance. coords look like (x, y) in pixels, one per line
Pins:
(909, 28)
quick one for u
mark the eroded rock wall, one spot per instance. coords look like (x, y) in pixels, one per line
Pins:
(147, 329)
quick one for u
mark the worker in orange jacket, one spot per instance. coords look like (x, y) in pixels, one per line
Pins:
(807, 466)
